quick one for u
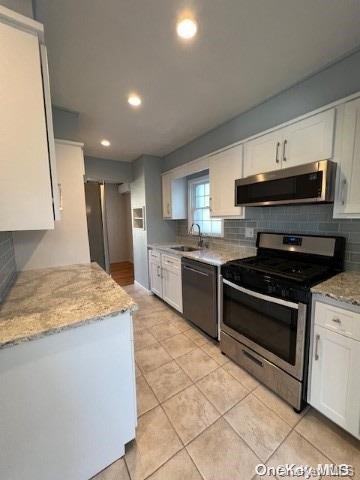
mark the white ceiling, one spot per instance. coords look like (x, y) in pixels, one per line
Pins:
(245, 52)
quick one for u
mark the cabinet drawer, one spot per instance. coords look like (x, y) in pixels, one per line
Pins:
(338, 320)
(154, 254)
(171, 263)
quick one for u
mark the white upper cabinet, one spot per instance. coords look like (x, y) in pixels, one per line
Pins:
(305, 141)
(347, 154)
(308, 140)
(263, 154)
(174, 197)
(26, 180)
(225, 167)
(166, 195)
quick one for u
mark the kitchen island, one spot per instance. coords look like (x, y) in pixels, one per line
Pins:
(67, 375)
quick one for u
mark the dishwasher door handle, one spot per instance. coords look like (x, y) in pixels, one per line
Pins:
(196, 271)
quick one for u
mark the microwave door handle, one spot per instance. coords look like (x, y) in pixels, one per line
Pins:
(284, 151)
(277, 153)
(261, 296)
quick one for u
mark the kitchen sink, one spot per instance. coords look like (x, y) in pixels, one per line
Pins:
(183, 248)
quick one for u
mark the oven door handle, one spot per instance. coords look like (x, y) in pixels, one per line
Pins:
(266, 298)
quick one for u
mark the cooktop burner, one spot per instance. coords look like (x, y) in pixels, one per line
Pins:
(285, 267)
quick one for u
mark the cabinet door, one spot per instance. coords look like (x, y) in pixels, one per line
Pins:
(309, 140)
(335, 388)
(155, 273)
(263, 154)
(166, 195)
(25, 185)
(348, 142)
(172, 286)
(225, 167)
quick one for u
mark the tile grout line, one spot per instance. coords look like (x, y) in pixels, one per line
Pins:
(261, 401)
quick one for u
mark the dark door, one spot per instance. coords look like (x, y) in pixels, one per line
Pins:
(95, 223)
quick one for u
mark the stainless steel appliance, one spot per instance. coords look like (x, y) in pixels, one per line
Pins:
(309, 183)
(199, 289)
(266, 303)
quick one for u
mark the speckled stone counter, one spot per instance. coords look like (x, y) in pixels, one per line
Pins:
(344, 287)
(46, 301)
(208, 255)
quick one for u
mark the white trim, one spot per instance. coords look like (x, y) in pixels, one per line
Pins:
(334, 104)
(142, 286)
(191, 183)
(69, 142)
(21, 21)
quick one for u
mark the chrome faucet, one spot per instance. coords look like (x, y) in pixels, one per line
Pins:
(200, 241)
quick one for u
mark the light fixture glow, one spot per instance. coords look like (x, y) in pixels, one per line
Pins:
(134, 100)
(186, 28)
(105, 143)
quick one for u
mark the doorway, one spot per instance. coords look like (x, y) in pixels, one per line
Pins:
(108, 211)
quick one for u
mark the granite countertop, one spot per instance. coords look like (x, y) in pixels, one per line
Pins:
(344, 287)
(46, 301)
(208, 255)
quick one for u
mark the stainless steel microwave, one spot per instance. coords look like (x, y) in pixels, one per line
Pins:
(310, 183)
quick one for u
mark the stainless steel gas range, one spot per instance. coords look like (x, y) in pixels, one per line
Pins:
(266, 307)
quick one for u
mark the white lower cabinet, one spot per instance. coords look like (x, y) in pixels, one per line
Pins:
(155, 272)
(171, 282)
(165, 278)
(334, 387)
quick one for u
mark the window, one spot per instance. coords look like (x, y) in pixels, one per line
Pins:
(199, 208)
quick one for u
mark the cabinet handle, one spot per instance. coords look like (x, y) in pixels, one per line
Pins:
(195, 271)
(336, 320)
(168, 208)
(343, 192)
(317, 338)
(158, 270)
(60, 197)
(284, 151)
(210, 202)
(277, 152)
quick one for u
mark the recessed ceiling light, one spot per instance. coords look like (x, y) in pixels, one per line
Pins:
(134, 100)
(186, 28)
(105, 143)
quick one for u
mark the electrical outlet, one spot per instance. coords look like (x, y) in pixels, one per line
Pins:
(249, 232)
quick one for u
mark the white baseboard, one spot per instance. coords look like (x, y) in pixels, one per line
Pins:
(144, 288)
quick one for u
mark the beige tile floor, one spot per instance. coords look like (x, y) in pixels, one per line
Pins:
(201, 417)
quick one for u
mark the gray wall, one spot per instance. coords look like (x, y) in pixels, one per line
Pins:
(25, 7)
(7, 263)
(159, 230)
(112, 171)
(311, 219)
(139, 236)
(337, 81)
(146, 191)
(66, 124)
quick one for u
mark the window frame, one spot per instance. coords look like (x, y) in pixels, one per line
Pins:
(191, 188)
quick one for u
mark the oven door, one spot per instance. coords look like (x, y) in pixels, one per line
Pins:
(272, 327)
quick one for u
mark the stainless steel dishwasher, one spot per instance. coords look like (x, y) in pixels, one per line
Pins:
(199, 287)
